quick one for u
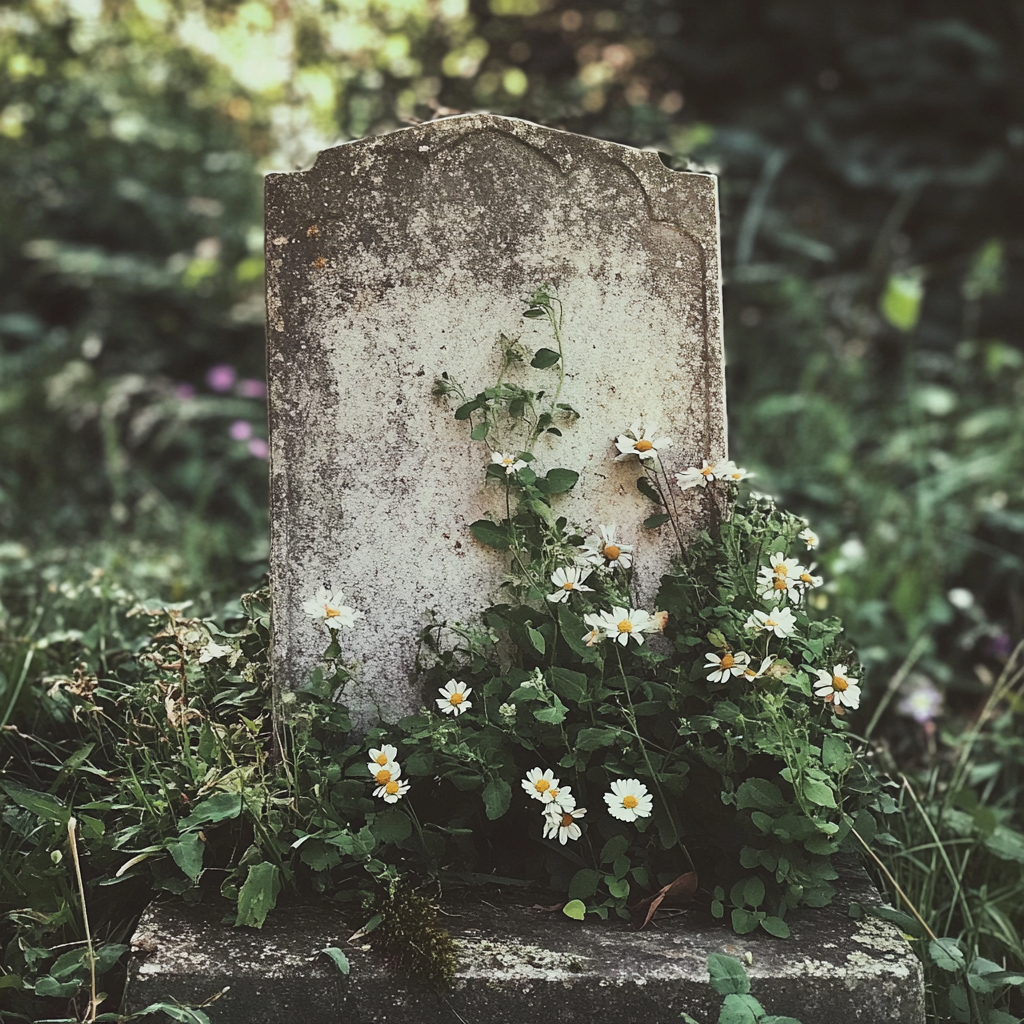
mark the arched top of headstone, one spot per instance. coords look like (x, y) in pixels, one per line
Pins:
(396, 258)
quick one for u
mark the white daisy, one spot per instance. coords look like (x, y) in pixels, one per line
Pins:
(775, 588)
(732, 473)
(726, 665)
(809, 537)
(604, 551)
(510, 462)
(642, 443)
(780, 621)
(838, 688)
(806, 580)
(560, 823)
(384, 754)
(539, 784)
(560, 797)
(787, 568)
(391, 792)
(699, 476)
(383, 774)
(453, 698)
(629, 800)
(596, 634)
(327, 607)
(756, 673)
(568, 579)
(622, 623)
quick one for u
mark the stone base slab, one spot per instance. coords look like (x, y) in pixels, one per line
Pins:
(525, 965)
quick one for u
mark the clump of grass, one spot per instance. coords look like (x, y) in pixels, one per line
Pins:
(409, 937)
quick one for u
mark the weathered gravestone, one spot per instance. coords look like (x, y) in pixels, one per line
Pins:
(398, 258)
(392, 261)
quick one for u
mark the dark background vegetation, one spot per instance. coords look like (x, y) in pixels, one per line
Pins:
(871, 163)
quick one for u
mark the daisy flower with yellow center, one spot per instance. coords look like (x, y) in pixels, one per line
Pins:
(567, 580)
(726, 665)
(383, 754)
(787, 568)
(383, 774)
(629, 800)
(756, 673)
(699, 476)
(605, 551)
(326, 606)
(732, 473)
(838, 687)
(453, 698)
(640, 440)
(560, 823)
(510, 462)
(809, 537)
(779, 621)
(392, 791)
(806, 580)
(775, 588)
(596, 634)
(540, 784)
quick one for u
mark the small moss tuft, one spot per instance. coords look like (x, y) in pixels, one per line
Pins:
(409, 937)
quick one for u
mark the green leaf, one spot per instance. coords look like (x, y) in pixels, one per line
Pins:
(836, 753)
(946, 954)
(219, 807)
(184, 1014)
(558, 481)
(776, 926)
(744, 922)
(646, 488)
(494, 535)
(543, 358)
(553, 715)
(479, 432)
(534, 314)
(339, 958)
(818, 793)
(1006, 843)
(759, 793)
(593, 737)
(258, 895)
(653, 522)
(536, 639)
(740, 1009)
(614, 848)
(901, 302)
(575, 909)
(497, 796)
(10, 981)
(391, 826)
(728, 976)
(618, 887)
(207, 744)
(569, 685)
(753, 891)
(465, 411)
(584, 883)
(187, 853)
(771, 1018)
(49, 986)
(43, 805)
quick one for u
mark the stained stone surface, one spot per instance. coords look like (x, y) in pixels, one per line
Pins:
(527, 965)
(397, 258)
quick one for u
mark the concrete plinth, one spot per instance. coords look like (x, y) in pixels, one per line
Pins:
(527, 965)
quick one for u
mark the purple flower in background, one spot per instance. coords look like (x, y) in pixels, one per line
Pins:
(184, 392)
(921, 700)
(258, 448)
(999, 646)
(249, 387)
(221, 377)
(241, 430)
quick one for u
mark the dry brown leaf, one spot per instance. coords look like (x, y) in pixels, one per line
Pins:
(680, 890)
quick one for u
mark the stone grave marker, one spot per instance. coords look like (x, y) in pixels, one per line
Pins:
(401, 257)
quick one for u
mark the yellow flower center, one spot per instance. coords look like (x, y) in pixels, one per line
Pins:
(611, 552)
(383, 777)
(382, 759)
(781, 570)
(806, 577)
(780, 583)
(568, 585)
(542, 785)
(629, 801)
(770, 623)
(643, 446)
(727, 661)
(456, 698)
(839, 683)
(330, 612)
(625, 626)
(566, 820)
(553, 793)
(708, 471)
(392, 788)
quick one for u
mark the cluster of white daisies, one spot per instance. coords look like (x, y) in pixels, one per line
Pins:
(627, 800)
(383, 766)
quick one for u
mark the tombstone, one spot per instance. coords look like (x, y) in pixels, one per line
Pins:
(391, 261)
(398, 258)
